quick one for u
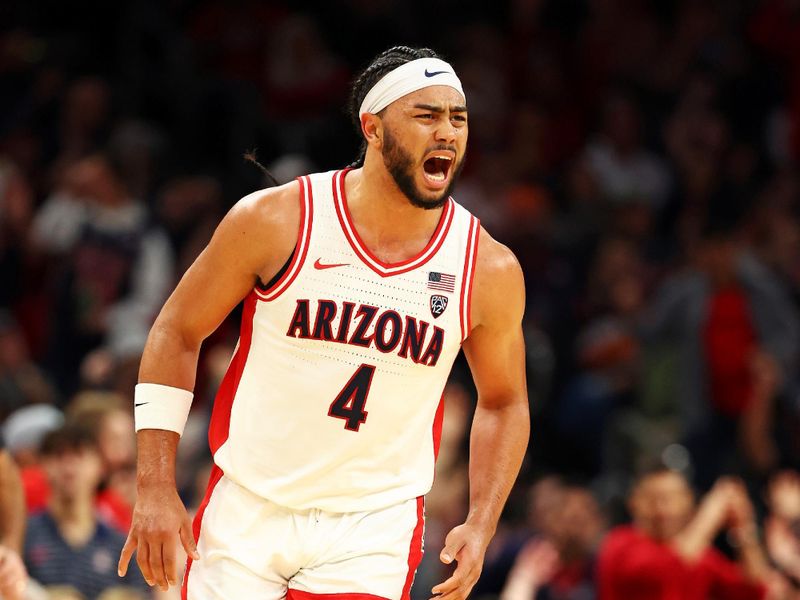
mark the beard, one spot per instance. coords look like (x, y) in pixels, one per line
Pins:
(401, 167)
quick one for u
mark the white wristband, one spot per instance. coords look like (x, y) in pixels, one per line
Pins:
(157, 406)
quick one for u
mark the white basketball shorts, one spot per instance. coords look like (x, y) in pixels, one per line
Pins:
(253, 548)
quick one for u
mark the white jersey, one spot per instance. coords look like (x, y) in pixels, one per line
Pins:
(333, 396)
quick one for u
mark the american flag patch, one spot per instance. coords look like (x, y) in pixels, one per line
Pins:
(441, 281)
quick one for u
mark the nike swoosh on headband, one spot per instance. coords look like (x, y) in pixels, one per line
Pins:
(429, 74)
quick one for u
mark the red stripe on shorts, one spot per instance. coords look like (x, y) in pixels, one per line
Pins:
(213, 480)
(415, 548)
(299, 595)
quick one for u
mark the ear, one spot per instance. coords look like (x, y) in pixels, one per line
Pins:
(372, 129)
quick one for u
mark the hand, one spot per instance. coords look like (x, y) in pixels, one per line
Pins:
(158, 516)
(783, 547)
(466, 544)
(741, 512)
(715, 507)
(533, 568)
(784, 496)
(13, 577)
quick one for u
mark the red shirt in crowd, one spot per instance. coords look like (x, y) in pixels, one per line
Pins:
(633, 566)
(730, 339)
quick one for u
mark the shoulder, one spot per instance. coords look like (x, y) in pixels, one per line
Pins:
(496, 260)
(269, 207)
(262, 224)
(39, 527)
(498, 285)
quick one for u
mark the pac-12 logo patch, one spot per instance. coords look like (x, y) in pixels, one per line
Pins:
(438, 304)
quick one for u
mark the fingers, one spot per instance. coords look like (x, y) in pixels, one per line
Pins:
(187, 539)
(453, 544)
(126, 554)
(460, 583)
(157, 565)
(170, 567)
(456, 595)
(448, 585)
(143, 560)
(156, 559)
(458, 586)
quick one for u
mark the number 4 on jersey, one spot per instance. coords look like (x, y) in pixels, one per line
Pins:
(349, 404)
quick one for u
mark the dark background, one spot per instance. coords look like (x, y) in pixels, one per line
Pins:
(630, 152)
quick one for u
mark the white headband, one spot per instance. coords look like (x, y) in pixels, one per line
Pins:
(407, 78)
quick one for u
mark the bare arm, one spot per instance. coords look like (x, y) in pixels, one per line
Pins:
(744, 529)
(251, 242)
(12, 503)
(699, 533)
(727, 504)
(496, 355)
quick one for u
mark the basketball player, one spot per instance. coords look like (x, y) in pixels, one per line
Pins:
(326, 426)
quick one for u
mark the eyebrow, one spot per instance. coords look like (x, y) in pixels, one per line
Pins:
(439, 109)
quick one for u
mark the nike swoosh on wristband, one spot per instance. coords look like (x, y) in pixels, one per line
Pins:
(141, 403)
(429, 74)
(319, 265)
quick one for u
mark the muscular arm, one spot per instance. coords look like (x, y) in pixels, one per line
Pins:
(252, 241)
(496, 355)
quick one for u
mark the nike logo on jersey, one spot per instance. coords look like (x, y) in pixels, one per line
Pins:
(141, 403)
(319, 265)
(434, 73)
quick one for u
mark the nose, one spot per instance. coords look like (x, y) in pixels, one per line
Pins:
(446, 132)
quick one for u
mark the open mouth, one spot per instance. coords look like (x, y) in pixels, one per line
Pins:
(437, 168)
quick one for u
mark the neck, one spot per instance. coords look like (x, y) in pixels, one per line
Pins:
(74, 517)
(381, 211)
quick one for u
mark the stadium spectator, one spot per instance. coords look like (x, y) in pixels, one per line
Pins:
(737, 334)
(117, 267)
(667, 551)
(782, 527)
(109, 419)
(22, 380)
(67, 544)
(559, 563)
(624, 168)
(23, 433)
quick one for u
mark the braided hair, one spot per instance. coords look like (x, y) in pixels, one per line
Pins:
(386, 61)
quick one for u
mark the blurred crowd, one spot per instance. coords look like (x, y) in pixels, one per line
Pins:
(639, 156)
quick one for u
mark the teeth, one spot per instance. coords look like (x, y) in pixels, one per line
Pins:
(447, 158)
(436, 176)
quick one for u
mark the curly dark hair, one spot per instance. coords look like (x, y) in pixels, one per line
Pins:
(386, 61)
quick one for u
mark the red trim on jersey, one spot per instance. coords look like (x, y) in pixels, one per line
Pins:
(299, 595)
(303, 242)
(467, 276)
(373, 262)
(415, 548)
(213, 480)
(472, 273)
(437, 427)
(223, 403)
